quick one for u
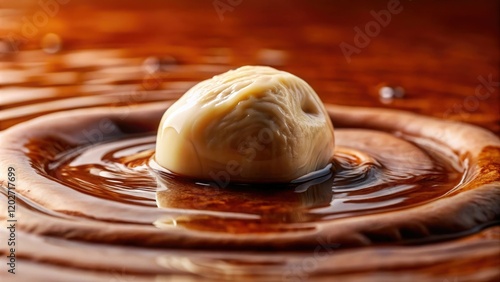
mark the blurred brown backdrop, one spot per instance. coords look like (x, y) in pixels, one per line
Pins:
(444, 54)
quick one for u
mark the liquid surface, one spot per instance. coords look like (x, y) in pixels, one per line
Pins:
(363, 180)
(100, 219)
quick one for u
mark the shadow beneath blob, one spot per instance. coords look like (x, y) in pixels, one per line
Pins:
(283, 202)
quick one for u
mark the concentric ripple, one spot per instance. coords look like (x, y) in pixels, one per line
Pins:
(115, 170)
(89, 226)
(86, 190)
(366, 178)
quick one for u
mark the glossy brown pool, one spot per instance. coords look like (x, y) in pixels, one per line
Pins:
(409, 197)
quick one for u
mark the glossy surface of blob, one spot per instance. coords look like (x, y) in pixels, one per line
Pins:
(252, 124)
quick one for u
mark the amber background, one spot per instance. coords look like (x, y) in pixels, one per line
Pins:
(435, 50)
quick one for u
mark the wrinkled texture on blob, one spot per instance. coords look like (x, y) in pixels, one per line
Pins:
(252, 124)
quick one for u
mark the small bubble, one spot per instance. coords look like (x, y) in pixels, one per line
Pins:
(167, 63)
(151, 64)
(388, 92)
(8, 47)
(155, 64)
(51, 43)
(272, 57)
(4, 48)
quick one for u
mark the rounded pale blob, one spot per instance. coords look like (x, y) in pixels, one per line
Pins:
(252, 124)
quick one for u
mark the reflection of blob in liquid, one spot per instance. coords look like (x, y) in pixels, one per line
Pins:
(273, 203)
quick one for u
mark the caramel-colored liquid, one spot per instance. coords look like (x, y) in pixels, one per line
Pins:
(110, 215)
(118, 170)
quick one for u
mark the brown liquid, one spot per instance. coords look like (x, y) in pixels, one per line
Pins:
(130, 202)
(90, 212)
(118, 170)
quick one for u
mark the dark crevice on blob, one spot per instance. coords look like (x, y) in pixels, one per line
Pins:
(308, 107)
